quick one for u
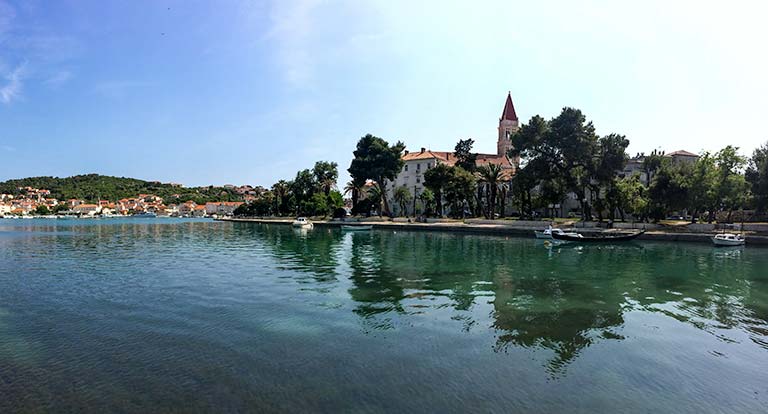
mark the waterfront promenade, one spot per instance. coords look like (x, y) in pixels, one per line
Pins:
(511, 228)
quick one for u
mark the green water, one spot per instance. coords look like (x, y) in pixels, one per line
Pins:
(199, 316)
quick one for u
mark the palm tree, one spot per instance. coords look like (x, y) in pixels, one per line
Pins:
(354, 188)
(436, 179)
(326, 174)
(402, 197)
(280, 190)
(376, 196)
(427, 198)
(491, 175)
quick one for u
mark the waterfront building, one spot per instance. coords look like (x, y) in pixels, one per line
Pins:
(222, 208)
(199, 211)
(416, 163)
(187, 208)
(87, 209)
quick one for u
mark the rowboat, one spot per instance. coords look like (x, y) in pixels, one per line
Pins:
(728, 239)
(598, 238)
(356, 228)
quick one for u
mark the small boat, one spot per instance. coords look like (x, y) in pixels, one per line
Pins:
(547, 233)
(356, 227)
(144, 215)
(728, 239)
(302, 222)
(599, 238)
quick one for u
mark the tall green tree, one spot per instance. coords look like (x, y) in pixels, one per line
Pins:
(757, 176)
(436, 179)
(611, 157)
(375, 159)
(281, 191)
(376, 196)
(354, 188)
(702, 185)
(651, 164)
(732, 187)
(402, 197)
(427, 199)
(566, 146)
(465, 158)
(459, 190)
(669, 189)
(490, 175)
(326, 173)
(632, 197)
(303, 187)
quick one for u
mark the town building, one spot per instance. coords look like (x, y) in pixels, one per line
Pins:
(87, 209)
(222, 208)
(416, 163)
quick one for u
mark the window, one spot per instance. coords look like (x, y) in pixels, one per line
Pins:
(418, 180)
(406, 167)
(418, 167)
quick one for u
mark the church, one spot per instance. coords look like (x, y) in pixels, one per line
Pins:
(416, 163)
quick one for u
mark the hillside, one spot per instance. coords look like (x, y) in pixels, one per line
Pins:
(92, 187)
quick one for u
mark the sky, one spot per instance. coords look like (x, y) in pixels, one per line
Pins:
(249, 92)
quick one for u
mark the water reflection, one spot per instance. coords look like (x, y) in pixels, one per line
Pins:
(560, 298)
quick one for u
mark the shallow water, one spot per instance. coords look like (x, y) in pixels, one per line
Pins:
(180, 315)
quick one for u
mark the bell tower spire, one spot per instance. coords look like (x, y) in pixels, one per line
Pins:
(508, 125)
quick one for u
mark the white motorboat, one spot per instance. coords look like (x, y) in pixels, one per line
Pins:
(547, 233)
(728, 239)
(302, 222)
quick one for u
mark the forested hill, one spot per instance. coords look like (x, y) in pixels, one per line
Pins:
(92, 187)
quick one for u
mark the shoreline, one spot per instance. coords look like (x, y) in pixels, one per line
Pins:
(500, 229)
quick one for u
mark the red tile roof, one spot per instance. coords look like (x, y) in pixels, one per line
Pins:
(681, 153)
(447, 157)
(509, 109)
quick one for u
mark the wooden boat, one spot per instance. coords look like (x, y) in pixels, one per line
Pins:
(356, 227)
(728, 239)
(599, 238)
(547, 233)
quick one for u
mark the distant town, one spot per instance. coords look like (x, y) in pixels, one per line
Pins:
(32, 201)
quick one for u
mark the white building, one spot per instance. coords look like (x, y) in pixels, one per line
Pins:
(417, 163)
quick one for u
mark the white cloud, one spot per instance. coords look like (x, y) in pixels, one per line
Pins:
(11, 90)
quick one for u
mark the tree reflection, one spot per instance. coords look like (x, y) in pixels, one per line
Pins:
(562, 299)
(315, 251)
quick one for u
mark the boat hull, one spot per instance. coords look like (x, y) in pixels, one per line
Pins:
(357, 228)
(542, 235)
(597, 239)
(727, 243)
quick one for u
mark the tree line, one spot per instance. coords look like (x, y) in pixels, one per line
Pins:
(312, 192)
(560, 158)
(94, 187)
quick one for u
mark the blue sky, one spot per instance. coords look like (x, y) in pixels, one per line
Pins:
(215, 92)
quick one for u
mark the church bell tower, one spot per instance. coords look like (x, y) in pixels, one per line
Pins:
(508, 125)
